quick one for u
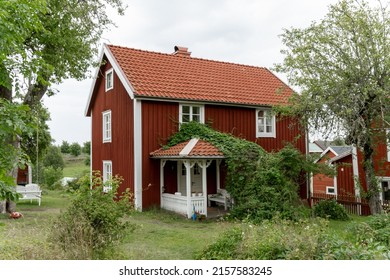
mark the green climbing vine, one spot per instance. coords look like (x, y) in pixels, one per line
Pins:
(262, 184)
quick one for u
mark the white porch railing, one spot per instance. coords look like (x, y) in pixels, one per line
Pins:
(178, 204)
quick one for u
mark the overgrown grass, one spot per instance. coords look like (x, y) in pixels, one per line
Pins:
(161, 234)
(25, 238)
(75, 166)
(158, 235)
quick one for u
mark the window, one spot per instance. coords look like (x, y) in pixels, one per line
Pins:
(106, 126)
(109, 79)
(265, 121)
(190, 113)
(107, 175)
(330, 190)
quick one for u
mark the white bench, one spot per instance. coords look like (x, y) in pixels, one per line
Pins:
(222, 197)
(29, 192)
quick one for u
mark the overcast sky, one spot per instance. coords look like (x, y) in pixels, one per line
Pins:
(240, 31)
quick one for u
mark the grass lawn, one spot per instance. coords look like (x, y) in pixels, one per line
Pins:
(158, 234)
(75, 166)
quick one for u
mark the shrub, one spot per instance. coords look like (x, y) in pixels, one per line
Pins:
(52, 176)
(93, 224)
(75, 149)
(377, 229)
(330, 209)
(224, 248)
(54, 158)
(280, 239)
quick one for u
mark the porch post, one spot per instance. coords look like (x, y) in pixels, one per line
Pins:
(187, 164)
(162, 164)
(204, 185)
(218, 162)
(30, 174)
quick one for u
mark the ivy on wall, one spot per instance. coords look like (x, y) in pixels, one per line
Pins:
(262, 184)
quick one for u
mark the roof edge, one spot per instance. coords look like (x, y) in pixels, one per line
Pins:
(118, 70)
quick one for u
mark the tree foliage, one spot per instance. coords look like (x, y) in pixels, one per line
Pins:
(93, 223)
(49, 41)
(75, 149)
(341, 66)
(14, 121)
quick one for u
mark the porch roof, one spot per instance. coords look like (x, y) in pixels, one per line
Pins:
(194, 148)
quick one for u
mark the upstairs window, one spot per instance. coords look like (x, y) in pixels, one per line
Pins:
(265, 123)
(109, 79)
(107, 175)
(106, 126)
(190, 113)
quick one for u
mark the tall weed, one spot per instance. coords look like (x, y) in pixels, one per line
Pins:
(93, 224)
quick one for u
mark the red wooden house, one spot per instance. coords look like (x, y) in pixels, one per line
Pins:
(140, 98)
(349, 179)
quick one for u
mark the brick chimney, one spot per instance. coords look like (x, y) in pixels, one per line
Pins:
(182, 51)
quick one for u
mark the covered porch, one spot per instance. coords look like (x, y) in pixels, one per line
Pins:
(184, 176)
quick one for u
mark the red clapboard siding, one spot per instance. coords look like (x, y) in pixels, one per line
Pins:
(121, 149)
(159, 121)
(382, 166)
(345, 179)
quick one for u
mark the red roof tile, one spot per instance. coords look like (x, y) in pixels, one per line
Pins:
(158, 75)
(199, 149)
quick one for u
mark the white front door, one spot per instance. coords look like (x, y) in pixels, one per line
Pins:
(196, 179)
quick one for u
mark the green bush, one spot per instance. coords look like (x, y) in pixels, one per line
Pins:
(330, 209)
(280, 239)
(93, 224)
(75, 149)
(54, 158)
(377, 229)
(52, 176)
(224, 248)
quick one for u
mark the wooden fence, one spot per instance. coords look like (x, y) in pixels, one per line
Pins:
(353, 205)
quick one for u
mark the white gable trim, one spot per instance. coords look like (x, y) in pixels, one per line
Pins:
(188, 148)
(137, 154)
(117, 69)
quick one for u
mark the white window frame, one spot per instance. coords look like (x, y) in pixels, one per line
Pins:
(329, 188)
(109, 80)
(107, 174)
(107, 126)
(191, 114)
(267, 113)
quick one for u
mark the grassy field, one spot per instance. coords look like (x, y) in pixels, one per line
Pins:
(75, 166)
(158, 234)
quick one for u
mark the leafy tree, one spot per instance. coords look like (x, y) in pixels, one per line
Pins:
(54, 158)
(43, 42)
(30, 43)
(87, 148)
(342, 67)
(75, 149)
(36, 144)
(65, 147)
(14, 121)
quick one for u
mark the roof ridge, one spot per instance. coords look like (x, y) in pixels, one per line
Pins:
(195, 58)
